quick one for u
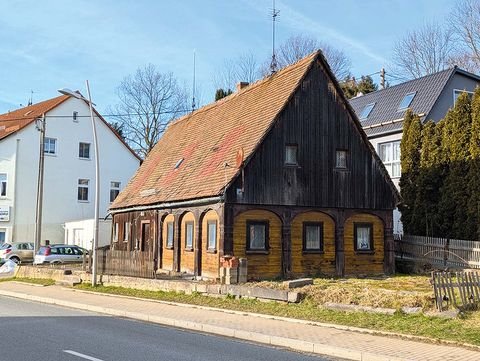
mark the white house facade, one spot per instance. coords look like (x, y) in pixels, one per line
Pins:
(69, 168)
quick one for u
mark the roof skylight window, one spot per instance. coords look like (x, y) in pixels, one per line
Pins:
(406, 101)
(177, 165)
(366, 111)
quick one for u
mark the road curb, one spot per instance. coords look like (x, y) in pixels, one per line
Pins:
(290, 343)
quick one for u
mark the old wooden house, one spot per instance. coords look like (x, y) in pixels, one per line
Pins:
(280, 173)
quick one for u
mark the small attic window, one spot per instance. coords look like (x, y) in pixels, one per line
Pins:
(179, 162)
(366, 111)
(406, 101)
(27, 113)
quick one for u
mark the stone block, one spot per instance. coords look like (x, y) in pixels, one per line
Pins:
(298, 282)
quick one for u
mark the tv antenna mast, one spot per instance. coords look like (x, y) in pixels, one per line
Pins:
(273, 64)
(193, 90)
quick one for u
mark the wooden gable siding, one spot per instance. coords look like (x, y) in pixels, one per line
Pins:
(316, 119)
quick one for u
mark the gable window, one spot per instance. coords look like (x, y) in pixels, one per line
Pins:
(363, 237)
(126, 233)
(50, 146)
(114, 190)
(366, 111)
(257, 236)
(3, 184)
(75, 116)
(291, 153)
(341, 159)
(212, 235)
(170, 235)
(83, 190)
(390, 155)
(312, 237)
(84, 150)
(189, 235)
(458, 92)
(406, 101)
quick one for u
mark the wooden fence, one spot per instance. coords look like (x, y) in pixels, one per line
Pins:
(457, 289)
(124, 263)
(439, 252)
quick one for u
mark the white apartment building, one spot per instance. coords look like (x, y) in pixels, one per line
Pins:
(69, 169)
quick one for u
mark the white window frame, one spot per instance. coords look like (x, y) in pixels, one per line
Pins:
(211, 236)
(79, 150)
(4, 185)
(126, 232)
(459, 92)
(87, 186)
(390, 163)
(114, 187)
(55, 143)
(116, 231)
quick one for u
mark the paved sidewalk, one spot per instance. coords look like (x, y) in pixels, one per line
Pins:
(331, 341)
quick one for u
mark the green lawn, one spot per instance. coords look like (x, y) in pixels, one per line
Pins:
(465, 329)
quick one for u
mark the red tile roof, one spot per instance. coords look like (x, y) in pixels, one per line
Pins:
(15, 120)
(209, 138)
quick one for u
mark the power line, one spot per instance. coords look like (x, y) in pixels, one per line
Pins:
(103, 115)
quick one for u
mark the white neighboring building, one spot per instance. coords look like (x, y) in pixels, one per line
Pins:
(381, 113)
(69, 174)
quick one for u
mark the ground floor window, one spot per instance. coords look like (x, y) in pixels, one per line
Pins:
(363, 237)
(82, 194)
(313, 237)
(257, 235)
(212, 235)
(170, 235)
(189, 235)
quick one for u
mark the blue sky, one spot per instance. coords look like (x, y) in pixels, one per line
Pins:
(49, 44)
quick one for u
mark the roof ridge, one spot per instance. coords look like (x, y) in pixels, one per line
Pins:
(451, 69)
(35, 105)
(250, 87)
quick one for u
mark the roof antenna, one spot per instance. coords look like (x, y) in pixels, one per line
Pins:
(273, 64)
(193, 90)
(30, 101)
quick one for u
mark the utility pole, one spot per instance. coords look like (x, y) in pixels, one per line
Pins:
(41, 125)
(382, 78)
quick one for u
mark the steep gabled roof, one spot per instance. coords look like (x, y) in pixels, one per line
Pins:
(196, 156)
(387, 101)
(15, 120)
(209, 138)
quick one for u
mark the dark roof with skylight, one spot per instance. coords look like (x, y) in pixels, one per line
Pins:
(366, 111)
(406, 101)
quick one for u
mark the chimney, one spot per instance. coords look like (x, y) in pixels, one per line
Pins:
(242, 85)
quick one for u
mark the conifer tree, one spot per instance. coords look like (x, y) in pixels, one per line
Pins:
(473, 209)
(429, 181)
(455, 143)
(410, 147)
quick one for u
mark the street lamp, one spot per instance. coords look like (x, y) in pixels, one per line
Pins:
(97, 175)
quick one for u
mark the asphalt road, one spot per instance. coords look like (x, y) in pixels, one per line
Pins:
(34, 331)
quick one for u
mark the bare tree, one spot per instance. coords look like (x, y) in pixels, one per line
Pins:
(148, 101)
(234, 70)
(299, 46)
(423, 51)
(465, 25)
